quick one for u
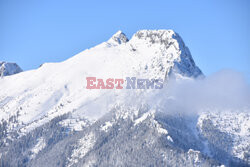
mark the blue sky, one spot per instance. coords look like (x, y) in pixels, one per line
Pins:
(33, 32)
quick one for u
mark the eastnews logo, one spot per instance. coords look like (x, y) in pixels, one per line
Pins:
(128, 83)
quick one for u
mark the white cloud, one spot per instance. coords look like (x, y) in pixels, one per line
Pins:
(227, 90)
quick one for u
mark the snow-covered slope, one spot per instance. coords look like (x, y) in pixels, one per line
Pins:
(48, 113)
(9, 69)
(58, 88)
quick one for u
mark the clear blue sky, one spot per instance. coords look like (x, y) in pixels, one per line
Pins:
(33, 32)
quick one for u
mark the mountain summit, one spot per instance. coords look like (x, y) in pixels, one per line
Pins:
(171, 46)
(119, 37)
(9, 69)
(161, 51)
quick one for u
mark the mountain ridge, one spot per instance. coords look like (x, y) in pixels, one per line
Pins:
(51, 115)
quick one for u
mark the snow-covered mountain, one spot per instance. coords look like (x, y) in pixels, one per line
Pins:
(49, 118)
(9, 69)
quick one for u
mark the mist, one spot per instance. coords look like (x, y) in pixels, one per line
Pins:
(225, 90)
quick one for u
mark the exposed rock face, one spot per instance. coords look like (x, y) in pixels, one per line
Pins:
(9, 69)
(172, 48)
(118, 38)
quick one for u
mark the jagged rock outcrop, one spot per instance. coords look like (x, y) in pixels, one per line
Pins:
(9, 69)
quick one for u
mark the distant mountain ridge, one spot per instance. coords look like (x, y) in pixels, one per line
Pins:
(7, 68)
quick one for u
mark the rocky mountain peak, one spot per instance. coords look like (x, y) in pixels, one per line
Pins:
(7, 68)
(170, 49)
(119, 37)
